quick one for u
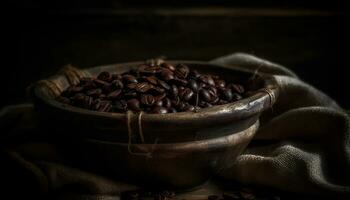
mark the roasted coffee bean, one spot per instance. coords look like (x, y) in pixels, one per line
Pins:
(134, 104)
(159, 103)
(166, 75)
(207, 80)
(179, 81)
(159, 110)
(193, 85)
(166, 103)
(156, 87)
(160, 97)
(94, 92)
(181, 71)
(226, 94)
(164, 84)
(194, 74)
(151, 79)
(174, 91)
(220, 83)
(101, 83)
(186, 94)
(129, 79)
(115, 94)
(168, 66)
(237, 88)
(117, 84)
(143, 87)
(104, 76)
(147, 100)
(130, 94)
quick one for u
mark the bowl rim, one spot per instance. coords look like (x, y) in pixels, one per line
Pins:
(248, 106)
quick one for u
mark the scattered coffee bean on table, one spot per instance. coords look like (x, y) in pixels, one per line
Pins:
(152, 88)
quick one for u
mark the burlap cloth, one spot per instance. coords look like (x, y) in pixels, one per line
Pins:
(302, 147)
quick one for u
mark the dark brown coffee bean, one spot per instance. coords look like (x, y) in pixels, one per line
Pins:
(168, 66)
(164, 84)
(115, 94)
(79, 98)
(94, 92)
(174, 91)
(117, 84)
(193, 85)
(220, 83)
(102, 96)
(194, 74)
(237, 88)
(181, 71)
(144, 69)
(181, 105)
(222, 102)
(96, 104)
(160, 97)
(129, 79)
(159, 110)
(134, 104)
(205, 95)
(130, 94)
(226, 94)
(117, 76)
(143, 87)
(147, 99)
(179, 81)
(204, 104)
(101, 83)
(151, 79)
(131, 85)
(156, 90)
(105, 106)
(159, 103)
(207, 80)
(186, 94)
(166, 103)
(175, 102)
(166, 75)
(104, 76)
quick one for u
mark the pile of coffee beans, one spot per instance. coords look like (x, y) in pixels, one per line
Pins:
(153, 88)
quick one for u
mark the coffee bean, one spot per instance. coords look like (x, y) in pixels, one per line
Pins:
(172, 110)
(143, 87)
(129, 79)
(117, 84)
(120, 105)
(94, 92)
(151, 79)
(166, 75)
(236, 96)
(226, 94)
(205, 95)
(160, 97)
(186, 94)
(115, 94)
(159, 103)
(220, 83)
(179, 81)
(174, 91)
(159, 110)
(237, 88)
(164, 84)
(188, 108)
(105, 106)
(193, 85)
(194, 74)
(181, 71)
(147, 100)
(134, 104)
(207, 80)
(166, 103)
(104, 76)
(168, 66)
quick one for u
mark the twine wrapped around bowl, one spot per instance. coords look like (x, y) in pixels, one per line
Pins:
(178, 150)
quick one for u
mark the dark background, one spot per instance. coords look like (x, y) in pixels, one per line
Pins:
(39, 37)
